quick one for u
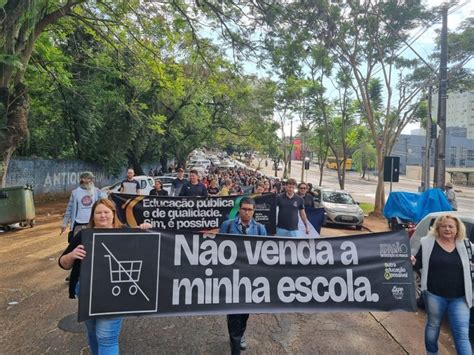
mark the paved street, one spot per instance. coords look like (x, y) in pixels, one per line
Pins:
(364, 190)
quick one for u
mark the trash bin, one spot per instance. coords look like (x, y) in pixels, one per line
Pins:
(17, 205)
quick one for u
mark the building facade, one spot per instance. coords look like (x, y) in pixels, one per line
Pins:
(459, 149)
(459, 111)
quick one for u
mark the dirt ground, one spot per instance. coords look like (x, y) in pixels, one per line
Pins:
(34, 303)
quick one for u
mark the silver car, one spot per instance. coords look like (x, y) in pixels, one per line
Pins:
(339, 207)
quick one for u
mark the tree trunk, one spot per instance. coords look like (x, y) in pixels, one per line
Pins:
(321, 173)
(16, 106)
(164, 164)
(380, 191)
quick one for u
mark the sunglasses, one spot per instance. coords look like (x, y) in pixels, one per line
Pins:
(246, 209)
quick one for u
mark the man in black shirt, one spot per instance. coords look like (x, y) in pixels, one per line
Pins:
(193, 187)
(289, 205)
(178, 183)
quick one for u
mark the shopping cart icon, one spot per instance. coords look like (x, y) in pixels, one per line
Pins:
(125, 271)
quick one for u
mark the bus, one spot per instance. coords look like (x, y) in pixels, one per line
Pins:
(331, 163)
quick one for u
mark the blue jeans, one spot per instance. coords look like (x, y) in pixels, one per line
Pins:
(103, 333)
(458, 315)
(281, 232)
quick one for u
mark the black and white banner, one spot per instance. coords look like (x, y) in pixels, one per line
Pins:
(163, 273)
(191, 213)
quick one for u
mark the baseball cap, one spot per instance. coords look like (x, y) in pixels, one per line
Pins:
(87, 175)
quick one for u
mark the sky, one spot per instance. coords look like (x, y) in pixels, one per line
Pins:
(424, 45)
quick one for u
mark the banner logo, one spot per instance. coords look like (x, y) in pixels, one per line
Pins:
(393, 250)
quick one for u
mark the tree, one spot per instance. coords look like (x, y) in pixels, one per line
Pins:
(366, 37)
(23, 23)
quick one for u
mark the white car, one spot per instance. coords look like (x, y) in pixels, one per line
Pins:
(201, 162)
(339, 207)
(146, 184)
(226, 164)
(278, 167)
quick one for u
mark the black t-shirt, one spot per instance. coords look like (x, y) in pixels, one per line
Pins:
(308, 200)
(189, 189)
(213, 190)
(288, 210)
(76, 267)
(155, 192)
(445, 273)
(177, 183)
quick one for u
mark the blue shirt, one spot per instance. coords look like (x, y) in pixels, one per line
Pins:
(234, 226)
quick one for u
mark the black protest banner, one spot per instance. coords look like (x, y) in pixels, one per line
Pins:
(191, 213)
(134, 272)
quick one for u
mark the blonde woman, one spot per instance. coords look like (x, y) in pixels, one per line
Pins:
(446, 282)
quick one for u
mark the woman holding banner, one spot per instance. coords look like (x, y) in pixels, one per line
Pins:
(103, 333)
(446, 282)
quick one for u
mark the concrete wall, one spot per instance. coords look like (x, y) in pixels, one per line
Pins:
(53, 175)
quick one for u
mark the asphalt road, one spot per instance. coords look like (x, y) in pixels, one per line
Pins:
(364, 190)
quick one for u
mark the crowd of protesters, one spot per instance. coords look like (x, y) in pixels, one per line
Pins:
(234, 181)
(446, 285)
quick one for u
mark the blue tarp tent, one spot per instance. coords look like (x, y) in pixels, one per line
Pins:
(413, 206)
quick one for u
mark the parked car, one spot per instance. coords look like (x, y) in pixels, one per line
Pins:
(339, 207)
(422, 229)
(278, 167)
(202, 162)
(226, 164)
(146, 184)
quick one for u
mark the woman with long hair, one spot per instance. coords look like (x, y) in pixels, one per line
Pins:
(103, 333)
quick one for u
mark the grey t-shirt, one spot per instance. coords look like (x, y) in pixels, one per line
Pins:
(130, 187)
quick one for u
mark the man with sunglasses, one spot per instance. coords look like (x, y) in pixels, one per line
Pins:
(244, 223)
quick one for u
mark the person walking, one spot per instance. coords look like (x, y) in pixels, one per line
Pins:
(446, 282)
(103, 333)
(178, 183)
(213, 189)
(308, 199)
(130, 185)
(78, 210)
(193, 187)
(244, 223)
(451, 195)
(289, 206)
(158, 189)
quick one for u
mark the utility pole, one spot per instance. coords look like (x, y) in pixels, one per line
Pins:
(443, 78)
(303, 150)
(291, 147)
(426, 164)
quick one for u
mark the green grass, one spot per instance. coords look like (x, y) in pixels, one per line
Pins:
(366, 207)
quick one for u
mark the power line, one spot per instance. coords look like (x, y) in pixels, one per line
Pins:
(417, 36)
